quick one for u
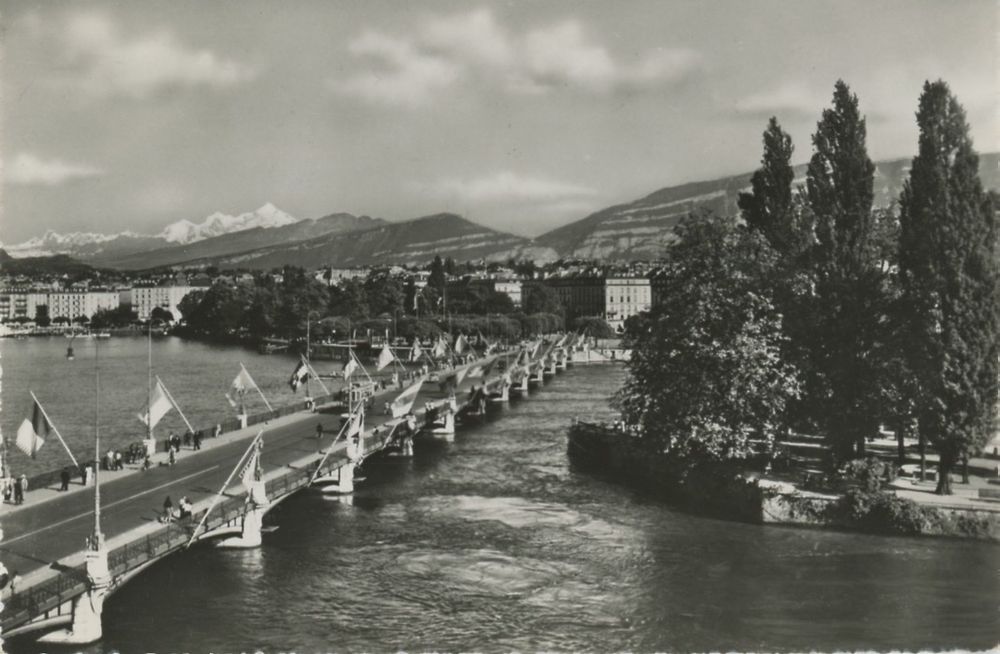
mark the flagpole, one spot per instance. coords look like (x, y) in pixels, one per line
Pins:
(260, 392)
(225, 485)
(54, 428)
(174, 402)
(149, 381)
(313, 373)
(97, 542)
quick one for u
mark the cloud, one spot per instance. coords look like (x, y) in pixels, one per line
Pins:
(506, 186)
(28, 169)
(403, 75)
(791, 100)
(445, 50)
(105, 62)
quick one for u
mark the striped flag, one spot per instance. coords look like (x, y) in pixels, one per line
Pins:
(299, 375)
(30, 433)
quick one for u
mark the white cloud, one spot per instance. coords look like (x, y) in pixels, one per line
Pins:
(792, 99)
(507, 186)
(445, 50)
(28, 169)
(402, 76)
(105, 62)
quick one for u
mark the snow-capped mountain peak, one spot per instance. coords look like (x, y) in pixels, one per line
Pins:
(184, 231)
(181, 232)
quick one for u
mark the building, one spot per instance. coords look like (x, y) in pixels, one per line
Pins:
(146, 298)
(23, 305)
(580, 293)
(75, 304)
(15, 305)
(626, 296)
(509, 287)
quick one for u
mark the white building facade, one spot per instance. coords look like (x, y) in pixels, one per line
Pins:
(146, 298)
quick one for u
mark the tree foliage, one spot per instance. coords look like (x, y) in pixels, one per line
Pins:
(948, 264)
(706, 374)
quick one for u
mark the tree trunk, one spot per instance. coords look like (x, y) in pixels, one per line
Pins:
(945, 464)
(901, 434)
(923, 456)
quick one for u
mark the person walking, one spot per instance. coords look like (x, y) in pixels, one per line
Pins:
(196, 439)
(319, 430)
(168, 510)
(19, 490)
(64, 478)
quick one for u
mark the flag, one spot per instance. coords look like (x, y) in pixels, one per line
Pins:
(299, 375)
(404, 401)
(385, 357)
(232, 402)
(460, 344)
(534, 350)
(350, 367)
(440, 349)
(251, 471)
(159, 405)
(29, 434)
(357, 423)
(243, 382)
(416, 351)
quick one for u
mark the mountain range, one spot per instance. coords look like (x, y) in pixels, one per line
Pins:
(268, 237)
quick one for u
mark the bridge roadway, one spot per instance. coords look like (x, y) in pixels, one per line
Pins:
(45, 541)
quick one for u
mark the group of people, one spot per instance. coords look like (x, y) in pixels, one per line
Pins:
(113, 460)
(14, 488)
(184, 509)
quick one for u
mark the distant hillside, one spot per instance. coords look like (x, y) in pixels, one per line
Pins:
(413, 241)
(241, 241)
(59, 264)
(642, 229)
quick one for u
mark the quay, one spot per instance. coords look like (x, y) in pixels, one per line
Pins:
(61, 576)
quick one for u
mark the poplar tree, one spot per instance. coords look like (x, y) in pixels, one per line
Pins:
(948, 270)
(850, 283)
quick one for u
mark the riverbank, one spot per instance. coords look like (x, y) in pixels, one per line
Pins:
(726, 491)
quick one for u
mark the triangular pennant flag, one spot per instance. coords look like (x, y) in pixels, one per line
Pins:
(350, 367)
(385, 357)
(415, 352)
(404, 401)
(440, 348)
(30, 433)
(159, 406)
(251, 471)
(243, 382)
(461, 344)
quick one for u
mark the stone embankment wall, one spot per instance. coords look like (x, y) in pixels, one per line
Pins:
(722, 491)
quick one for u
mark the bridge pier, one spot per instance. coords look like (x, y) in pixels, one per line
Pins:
(87, 608)
(253, 519)
(504, 394)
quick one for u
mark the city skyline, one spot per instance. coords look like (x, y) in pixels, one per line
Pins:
(520, 117)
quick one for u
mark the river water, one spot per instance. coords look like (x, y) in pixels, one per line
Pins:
(491, 543)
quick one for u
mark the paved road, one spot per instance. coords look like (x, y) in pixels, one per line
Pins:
(35, 536)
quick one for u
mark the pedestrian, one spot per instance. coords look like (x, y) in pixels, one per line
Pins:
(168, 510)
(146, 463)
(197, 440)
(173, 458)
(319, 430)
(64, 477)
(8, 488)
(19, 490)
(187, 438)
(218, 430)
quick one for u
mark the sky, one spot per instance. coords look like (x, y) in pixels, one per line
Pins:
(522, 116)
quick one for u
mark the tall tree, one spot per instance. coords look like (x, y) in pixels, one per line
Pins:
(850, 283)
(770, 206)
(706, 377)
(948, 269)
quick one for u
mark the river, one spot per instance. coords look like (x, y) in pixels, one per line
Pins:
(491, 543)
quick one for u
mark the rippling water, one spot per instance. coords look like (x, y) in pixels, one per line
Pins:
(492, 544)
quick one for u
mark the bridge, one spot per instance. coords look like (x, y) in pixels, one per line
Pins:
(67, 561)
